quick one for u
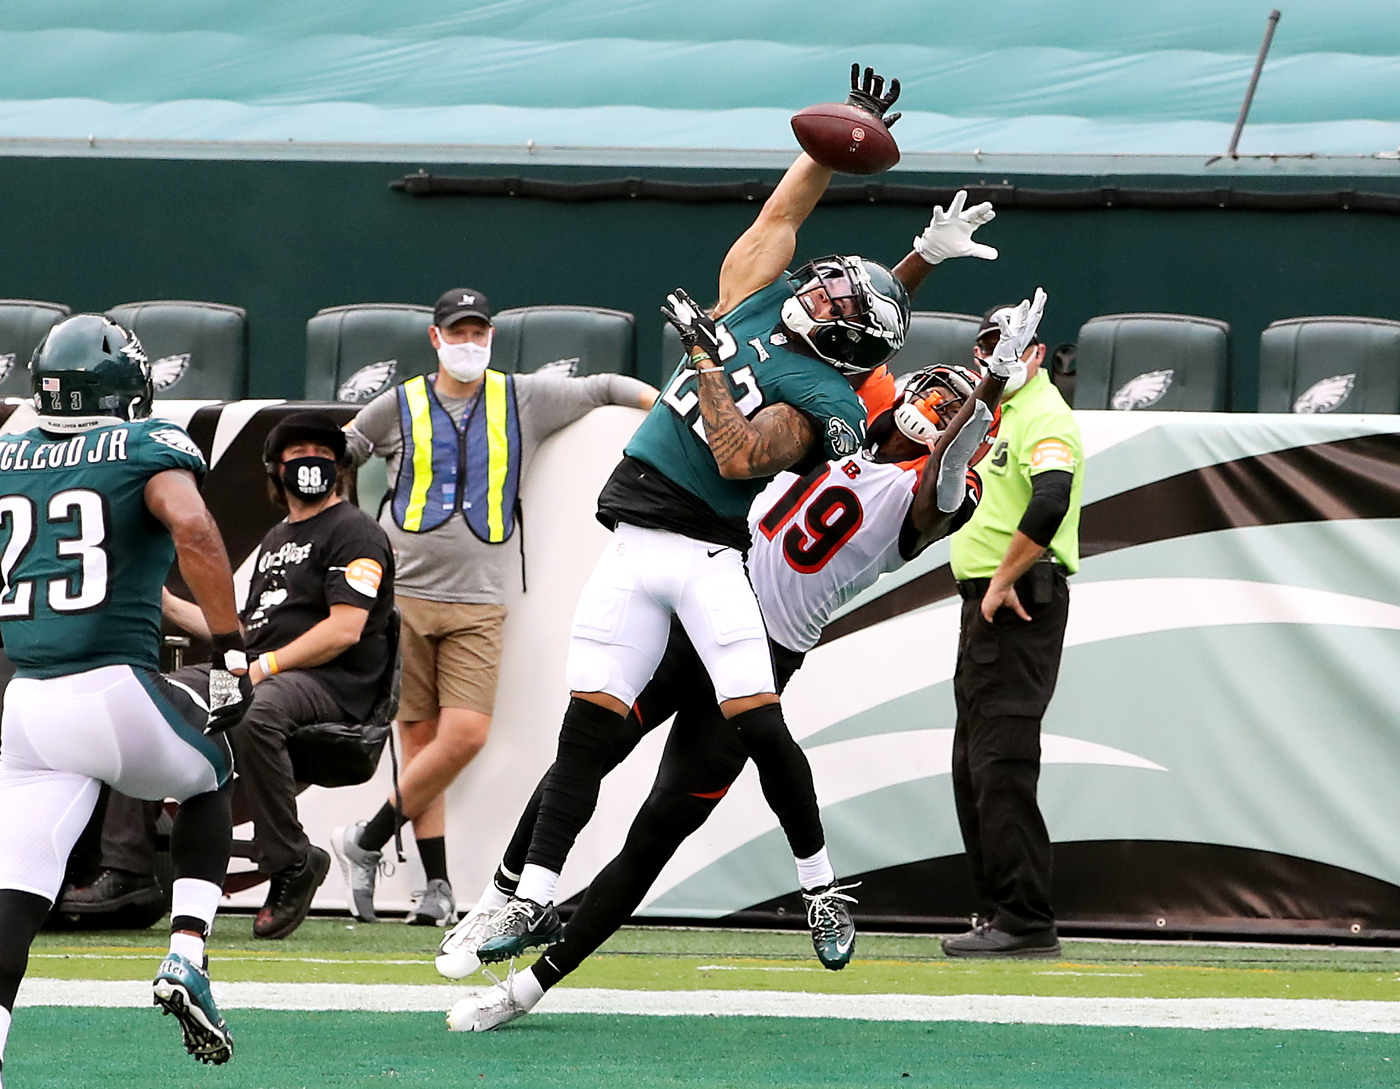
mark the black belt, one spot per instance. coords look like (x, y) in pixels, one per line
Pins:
(976, 589)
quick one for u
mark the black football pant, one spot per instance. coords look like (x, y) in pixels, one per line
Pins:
(1006, 674)
(703, 756)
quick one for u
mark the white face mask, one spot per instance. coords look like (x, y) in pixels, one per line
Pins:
(464, 362)
(1017, 378)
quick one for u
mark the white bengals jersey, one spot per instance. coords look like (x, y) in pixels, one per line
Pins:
(820, 539)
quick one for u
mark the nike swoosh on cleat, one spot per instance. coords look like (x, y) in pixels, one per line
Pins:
(844, 949)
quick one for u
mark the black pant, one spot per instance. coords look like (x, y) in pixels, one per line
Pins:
(1006, 674)
(266, 785)
(704, 754)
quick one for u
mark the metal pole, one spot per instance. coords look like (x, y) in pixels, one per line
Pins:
(1254, 81)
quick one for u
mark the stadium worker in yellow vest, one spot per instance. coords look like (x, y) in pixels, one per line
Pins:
(458, 444)
(1011, 560)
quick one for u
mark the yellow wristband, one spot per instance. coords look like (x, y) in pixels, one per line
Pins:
(268, 661)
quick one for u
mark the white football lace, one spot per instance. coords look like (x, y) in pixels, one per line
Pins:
(472, 926)
(821, 908)
(502, 922)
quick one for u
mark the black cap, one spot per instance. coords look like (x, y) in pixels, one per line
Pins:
(300, 426)
(459, 303)
(988, 324)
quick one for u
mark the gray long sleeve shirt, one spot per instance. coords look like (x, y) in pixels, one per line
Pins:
(451, 563)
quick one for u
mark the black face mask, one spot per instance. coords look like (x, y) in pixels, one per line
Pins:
(309, 478)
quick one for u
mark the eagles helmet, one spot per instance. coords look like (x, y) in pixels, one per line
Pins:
(89, 372)
(930, 398)
(850, 312)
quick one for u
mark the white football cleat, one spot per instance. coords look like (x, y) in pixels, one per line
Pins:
(487, 1011)
(457, 957)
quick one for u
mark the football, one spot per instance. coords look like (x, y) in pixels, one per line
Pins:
(845, 138)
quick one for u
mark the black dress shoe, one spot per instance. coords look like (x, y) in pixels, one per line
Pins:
(985, 940)
(289, 895)
(112, 890)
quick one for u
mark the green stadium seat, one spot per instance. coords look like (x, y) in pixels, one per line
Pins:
(936, 337)
(1330, 364)
(354, 352)
(23, 323)
(1153, 361)
(579, 339)
(198, 350)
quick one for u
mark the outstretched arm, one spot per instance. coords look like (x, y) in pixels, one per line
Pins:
(928, 517)
(765, 250)
(948, 234)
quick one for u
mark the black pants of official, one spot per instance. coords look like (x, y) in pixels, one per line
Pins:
(1006, 674)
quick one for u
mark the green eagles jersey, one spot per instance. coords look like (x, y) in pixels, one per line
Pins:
(81, 558)
(1037, 433)
(762, 371)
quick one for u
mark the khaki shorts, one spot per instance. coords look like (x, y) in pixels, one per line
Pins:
(451, 656)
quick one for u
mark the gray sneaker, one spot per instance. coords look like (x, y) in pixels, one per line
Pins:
(361, 869)
(433, 906)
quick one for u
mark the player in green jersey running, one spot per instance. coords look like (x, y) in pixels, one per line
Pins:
(95, 503)
(767, 383)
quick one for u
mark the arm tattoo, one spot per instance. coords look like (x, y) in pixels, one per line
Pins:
(776, 438)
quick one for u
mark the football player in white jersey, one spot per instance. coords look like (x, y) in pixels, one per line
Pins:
(818, 539)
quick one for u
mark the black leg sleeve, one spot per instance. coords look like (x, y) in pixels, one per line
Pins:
(21, 916)
(664, 821)
(785, 776)
(202, 835)
(587, 741)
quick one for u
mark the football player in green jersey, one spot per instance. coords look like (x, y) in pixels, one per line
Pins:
(768, 383)
(95, 503)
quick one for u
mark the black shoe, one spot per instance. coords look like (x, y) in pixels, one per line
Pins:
(289, 895)
(985, 940)
(112, 890)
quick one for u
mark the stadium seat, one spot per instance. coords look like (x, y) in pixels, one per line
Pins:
(353, 352)
(581, 339)
(198, 350)
(23, 324)
(936, 337)
(1330, 364)
(1153, 361)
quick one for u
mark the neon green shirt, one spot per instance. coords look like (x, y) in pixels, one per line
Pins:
(1037, 433)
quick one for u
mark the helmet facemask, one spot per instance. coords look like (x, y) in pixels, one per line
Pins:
(929, 400)
(844, 316)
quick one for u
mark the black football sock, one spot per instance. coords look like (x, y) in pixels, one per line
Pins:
(513, 861)
(784, 775)
(381, 828)
(664, 821)
(21, 916)
(433, 853)
(586, 743)
(202, 836)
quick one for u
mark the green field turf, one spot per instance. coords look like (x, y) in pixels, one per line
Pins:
(654, 958)
(52, 1048)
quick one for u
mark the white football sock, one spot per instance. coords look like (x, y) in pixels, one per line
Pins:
(493, 898)
(815, 871)
(191, 896)
(188, 946)
(527, 989)
(537, 884)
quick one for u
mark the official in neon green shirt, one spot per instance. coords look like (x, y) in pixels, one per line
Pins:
(1011, 561)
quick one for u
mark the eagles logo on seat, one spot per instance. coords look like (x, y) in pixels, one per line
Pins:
(90, 372)
(849, 312)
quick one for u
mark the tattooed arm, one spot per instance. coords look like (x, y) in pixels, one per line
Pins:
(775, 439)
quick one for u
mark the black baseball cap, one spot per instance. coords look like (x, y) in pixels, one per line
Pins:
(459, 303)
(301, 426)
(988, 324)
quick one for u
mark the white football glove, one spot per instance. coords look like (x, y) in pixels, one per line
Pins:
(1018, 327)
(949, 234)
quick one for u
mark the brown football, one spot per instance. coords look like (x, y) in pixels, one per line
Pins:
(845, 138)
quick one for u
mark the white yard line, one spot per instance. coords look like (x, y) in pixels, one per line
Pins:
(1193, 1013)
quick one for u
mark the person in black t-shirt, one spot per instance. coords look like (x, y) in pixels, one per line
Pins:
(315, 628)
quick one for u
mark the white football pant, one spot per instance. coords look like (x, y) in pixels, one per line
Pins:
(624, 616)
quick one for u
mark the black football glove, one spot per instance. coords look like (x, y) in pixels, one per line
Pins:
(697, 328)
(230, 687)
(869, 94)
